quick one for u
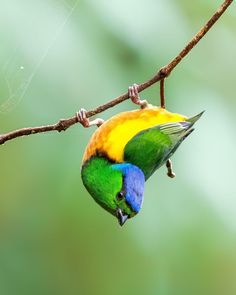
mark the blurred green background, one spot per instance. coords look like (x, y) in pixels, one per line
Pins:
(58, 56)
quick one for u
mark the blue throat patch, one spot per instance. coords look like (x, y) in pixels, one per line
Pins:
(133, 183)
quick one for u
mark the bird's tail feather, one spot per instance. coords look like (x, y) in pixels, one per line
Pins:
(194, 119)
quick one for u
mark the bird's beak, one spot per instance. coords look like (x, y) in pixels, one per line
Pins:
(121, 217)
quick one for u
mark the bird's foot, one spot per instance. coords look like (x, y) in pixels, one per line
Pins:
(83, 120)
(169, 167)
(134, 96)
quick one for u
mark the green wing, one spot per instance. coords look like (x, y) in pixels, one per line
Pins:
(151, 148)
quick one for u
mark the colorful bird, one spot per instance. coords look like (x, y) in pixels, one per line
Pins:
(126, 150)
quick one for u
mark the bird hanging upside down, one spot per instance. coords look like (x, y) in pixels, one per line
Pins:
(126, 150)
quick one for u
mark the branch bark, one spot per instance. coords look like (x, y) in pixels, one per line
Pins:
(164, 72)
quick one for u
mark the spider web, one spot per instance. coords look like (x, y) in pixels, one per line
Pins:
(15, 78)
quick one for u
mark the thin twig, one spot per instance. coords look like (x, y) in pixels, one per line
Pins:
(164, 72)
(162, 93)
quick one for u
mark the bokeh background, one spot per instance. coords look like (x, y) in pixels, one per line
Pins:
(58, 56)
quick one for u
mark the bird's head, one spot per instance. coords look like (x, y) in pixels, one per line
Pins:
(129, 197)
(118, 188)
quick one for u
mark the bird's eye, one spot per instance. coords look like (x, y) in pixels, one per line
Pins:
(120, 196)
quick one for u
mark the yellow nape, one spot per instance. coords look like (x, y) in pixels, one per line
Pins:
(112, 137)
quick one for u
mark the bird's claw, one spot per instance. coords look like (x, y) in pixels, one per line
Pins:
(169, 167)
(134, 96)
(81, 116)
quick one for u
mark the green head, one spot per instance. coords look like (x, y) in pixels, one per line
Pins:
(118, 188)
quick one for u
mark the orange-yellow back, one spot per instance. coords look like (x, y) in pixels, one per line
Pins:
(112, 137)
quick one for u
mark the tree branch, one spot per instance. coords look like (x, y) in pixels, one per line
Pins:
(162, 93)
(164, 72)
